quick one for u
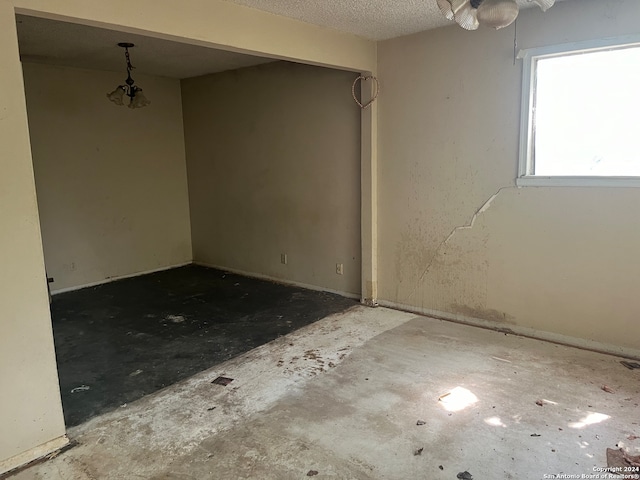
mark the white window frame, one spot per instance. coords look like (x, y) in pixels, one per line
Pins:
(525, 163)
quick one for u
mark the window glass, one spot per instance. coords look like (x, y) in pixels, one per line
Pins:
(586, 114)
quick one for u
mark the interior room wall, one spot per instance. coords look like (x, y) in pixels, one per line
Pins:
(111, 181)
(455, 234)
(273, 159)
(30, 407)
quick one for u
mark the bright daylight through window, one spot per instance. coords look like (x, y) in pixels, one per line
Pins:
(582, 115)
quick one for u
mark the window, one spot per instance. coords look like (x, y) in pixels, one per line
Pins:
(581, 115)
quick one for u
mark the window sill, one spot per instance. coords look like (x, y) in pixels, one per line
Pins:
(542, 181)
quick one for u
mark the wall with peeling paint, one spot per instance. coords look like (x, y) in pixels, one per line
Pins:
(559, 260)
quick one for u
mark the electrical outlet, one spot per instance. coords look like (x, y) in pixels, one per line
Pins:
(339, 268)
(283, 258)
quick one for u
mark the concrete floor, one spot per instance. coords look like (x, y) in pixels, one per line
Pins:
(343, 396)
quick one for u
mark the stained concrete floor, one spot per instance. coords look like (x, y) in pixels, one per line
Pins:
(120, 341)
(343, 397)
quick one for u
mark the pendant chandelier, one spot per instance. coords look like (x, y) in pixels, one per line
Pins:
(469, 14)
(130, 89)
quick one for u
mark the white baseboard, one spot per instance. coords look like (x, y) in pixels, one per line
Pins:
(279, 280)
(519, 330)
(121, 277)
(33, 454)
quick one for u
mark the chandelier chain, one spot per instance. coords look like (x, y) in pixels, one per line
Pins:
(126, 55)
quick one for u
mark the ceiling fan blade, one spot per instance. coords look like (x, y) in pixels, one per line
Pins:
(543, 4)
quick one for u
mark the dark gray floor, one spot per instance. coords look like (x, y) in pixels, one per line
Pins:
(132, 337)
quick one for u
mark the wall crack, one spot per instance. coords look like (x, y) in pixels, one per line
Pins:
(467, 226)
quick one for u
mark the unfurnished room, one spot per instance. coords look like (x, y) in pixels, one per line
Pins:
(354, 240)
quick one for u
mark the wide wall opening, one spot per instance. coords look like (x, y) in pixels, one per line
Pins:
(240, 166)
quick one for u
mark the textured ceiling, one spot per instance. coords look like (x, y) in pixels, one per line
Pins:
(61, 43)
(372, 19)
(73, 45)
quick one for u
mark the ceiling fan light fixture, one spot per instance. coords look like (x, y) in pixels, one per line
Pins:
(469, 14)
(467, 17)
(543, 4)
(461, 11)
(445, 8)
(497, 13)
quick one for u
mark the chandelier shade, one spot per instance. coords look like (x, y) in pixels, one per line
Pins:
(139, 100)
(117, 96)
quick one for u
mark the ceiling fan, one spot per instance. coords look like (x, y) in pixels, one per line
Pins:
(470, 14)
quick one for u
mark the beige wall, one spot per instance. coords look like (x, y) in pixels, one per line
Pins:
(561, 260)
(29, 404)
(111, 181)
(30, 408)
(273, 156)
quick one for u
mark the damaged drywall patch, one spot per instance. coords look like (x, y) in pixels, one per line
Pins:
(467, 226)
